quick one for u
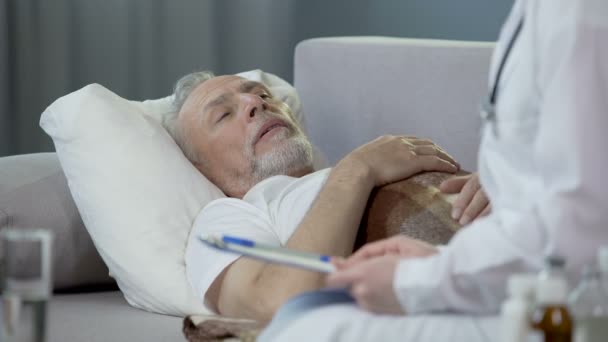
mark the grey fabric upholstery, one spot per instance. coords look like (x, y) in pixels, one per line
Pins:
(354, 89)
(34, 194)
(3, 219)
(106, 316)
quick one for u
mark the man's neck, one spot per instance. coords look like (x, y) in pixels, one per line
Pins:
(301, 172)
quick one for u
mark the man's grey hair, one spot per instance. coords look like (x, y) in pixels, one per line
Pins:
(183, 89)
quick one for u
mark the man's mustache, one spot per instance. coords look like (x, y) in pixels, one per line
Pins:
(261, 119)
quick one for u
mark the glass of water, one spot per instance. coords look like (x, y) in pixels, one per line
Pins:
(25, 278)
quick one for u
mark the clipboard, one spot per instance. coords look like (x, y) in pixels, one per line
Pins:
(273, 254)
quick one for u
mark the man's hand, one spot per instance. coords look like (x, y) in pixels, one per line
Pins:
(472, 202)
(392, 158)
(369, 273)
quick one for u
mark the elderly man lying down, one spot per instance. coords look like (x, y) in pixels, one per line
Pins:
(248, 144)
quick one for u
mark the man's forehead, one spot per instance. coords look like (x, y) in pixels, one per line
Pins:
(216, 90)
(217, 86)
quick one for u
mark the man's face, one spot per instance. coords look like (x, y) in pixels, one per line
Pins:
(242, 134)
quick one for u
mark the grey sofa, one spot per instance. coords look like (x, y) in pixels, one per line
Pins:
(352, 90)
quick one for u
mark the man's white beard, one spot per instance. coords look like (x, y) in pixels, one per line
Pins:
(291, 154)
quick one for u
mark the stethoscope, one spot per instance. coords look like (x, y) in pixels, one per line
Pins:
(488, 106)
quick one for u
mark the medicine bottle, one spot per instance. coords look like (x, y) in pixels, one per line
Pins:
(516, 310)
(551, 318)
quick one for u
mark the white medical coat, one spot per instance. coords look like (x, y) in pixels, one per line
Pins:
(543, 162)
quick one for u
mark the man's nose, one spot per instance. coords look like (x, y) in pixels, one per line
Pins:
(253, 104)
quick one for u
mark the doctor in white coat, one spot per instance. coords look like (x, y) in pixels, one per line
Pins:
(543, 162)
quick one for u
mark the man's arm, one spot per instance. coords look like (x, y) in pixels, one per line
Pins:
(254, 289)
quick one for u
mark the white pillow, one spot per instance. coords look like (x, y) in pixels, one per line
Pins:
(136, 192)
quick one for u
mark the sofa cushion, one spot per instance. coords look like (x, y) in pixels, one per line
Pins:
(34, 194)
(427, 88)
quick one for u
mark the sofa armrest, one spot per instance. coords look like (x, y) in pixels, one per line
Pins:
(354, 89)
(34, 194)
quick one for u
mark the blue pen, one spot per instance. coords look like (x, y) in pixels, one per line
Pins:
(280, 255)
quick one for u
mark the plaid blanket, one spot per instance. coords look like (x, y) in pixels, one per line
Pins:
(414, 207)
(201, 328)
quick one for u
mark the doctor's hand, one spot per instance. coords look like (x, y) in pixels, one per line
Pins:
(369, 272)
(472, 202)
(370, 282)
(399, 245)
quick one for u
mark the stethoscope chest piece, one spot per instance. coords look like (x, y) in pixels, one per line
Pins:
(488, 111)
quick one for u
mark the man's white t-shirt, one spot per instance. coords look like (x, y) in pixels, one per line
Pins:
(269, 213)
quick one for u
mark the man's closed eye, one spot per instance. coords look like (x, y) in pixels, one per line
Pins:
(223, 116)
